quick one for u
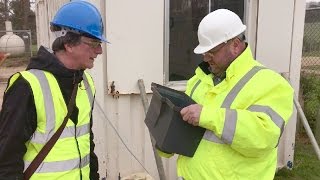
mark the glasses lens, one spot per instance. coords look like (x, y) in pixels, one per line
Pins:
(93, 44)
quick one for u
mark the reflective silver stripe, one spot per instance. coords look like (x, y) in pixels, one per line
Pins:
(47, 98)
(88, 89)
(70, 131)
(60, 166)
(210, 136)
(194, 88)
(229, 126)
(275, 117)
(228, 130)
(236, 89)
(42, 138)
(231, 115)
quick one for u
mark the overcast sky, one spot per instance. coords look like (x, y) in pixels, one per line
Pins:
(312, 0)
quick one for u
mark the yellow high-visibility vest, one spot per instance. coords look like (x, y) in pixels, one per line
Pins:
(70, 156)
(244, 116)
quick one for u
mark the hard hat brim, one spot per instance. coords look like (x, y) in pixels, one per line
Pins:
(201, 49)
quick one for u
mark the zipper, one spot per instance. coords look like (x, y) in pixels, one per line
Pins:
(80, 158)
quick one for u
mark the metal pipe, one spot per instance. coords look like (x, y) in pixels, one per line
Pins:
(145, 106)
(304, 121)
(307, 127)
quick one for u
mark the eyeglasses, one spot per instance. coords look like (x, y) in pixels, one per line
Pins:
(92, 44)
(214, 51)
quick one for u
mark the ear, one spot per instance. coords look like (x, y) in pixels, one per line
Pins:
(236, 46)
(68, 47)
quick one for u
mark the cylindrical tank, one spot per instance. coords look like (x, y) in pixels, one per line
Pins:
(11, 43)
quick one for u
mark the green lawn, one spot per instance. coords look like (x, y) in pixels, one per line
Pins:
(306, 165)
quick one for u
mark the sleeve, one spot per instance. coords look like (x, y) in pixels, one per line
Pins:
(94, 164)
(254, 125)
(17, 124)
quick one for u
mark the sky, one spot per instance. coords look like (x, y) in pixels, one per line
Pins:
(312, 0)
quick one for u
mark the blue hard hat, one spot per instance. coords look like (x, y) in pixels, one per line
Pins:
(82, 17)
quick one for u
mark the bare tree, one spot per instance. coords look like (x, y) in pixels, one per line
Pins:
(25, 4)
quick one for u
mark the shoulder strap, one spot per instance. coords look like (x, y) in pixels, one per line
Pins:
(48, 146)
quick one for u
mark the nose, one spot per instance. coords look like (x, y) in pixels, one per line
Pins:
(207, 57)
(98, 50)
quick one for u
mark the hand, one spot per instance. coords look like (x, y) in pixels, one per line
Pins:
(191, 114)
(3, 56)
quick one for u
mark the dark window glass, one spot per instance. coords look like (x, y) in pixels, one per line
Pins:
(185, 16)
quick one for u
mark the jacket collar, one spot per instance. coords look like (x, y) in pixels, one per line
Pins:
(242, 64)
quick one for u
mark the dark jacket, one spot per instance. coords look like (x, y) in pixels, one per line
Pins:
(18, 118)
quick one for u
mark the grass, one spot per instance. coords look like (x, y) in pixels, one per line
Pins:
(306, 165)
(34, 49)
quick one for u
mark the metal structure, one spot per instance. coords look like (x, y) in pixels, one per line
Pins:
(25, 35)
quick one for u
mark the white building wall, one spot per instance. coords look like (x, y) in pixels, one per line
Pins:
(279, 47)
(274, 33)
(135, 31)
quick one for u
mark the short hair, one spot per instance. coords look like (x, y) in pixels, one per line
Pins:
(70, 38)
(241, 37)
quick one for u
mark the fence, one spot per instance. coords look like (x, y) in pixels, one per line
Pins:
(17, 42)
(310, 69)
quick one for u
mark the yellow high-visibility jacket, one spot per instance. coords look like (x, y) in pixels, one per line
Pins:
(70, 156)
(244, 116)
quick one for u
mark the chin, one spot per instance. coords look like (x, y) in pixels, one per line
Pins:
(89, 67)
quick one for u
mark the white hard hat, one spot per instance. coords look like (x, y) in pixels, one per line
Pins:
(217, 27)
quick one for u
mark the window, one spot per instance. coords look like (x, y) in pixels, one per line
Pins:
(183, 18)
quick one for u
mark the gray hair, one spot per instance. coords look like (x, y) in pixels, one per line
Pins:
(70, 38)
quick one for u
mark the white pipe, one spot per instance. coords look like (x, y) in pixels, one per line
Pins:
(307, 128)
(8, 27)
(304, 121)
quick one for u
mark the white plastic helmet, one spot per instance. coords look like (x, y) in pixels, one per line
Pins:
(217, 27)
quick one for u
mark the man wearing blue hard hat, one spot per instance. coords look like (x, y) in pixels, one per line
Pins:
(46, 117)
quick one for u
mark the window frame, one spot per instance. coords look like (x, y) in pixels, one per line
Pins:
(250, 7)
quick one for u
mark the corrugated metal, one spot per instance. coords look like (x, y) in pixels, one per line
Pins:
(127, 116)
(45, 11)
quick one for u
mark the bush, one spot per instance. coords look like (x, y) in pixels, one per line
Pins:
(310, 85)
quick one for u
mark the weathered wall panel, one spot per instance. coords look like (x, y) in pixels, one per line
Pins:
(274, 33)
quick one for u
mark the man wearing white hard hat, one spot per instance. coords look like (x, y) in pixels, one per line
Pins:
(243, 106)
